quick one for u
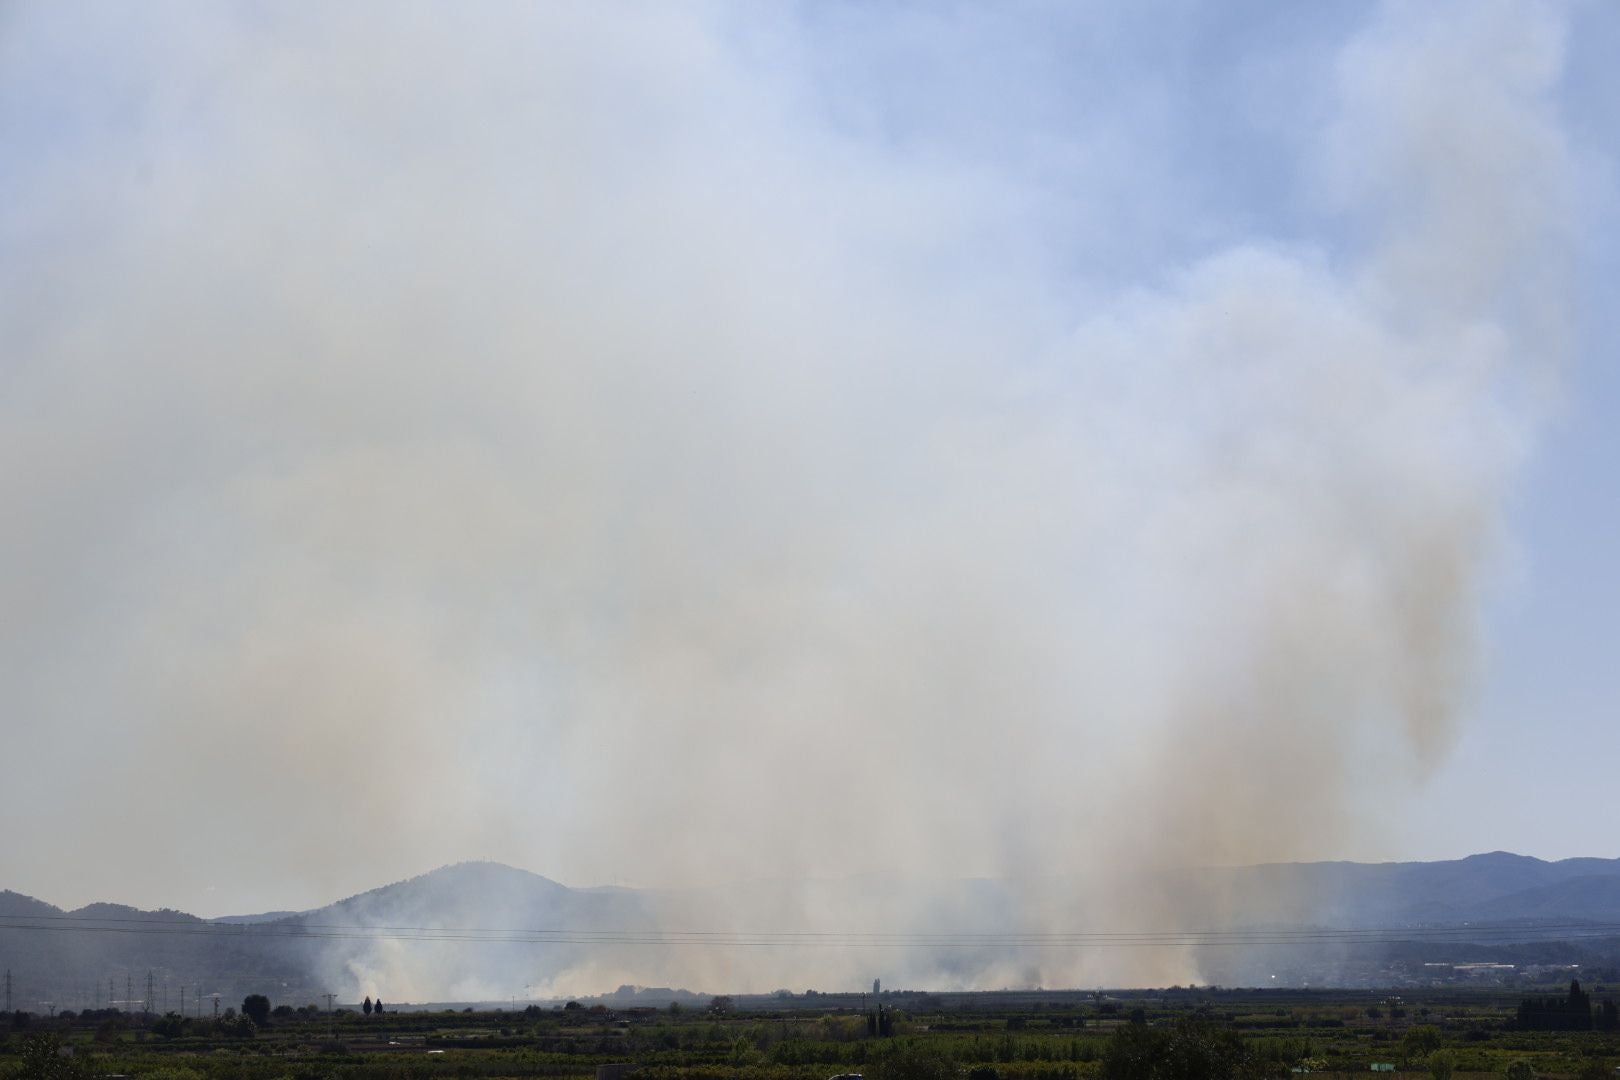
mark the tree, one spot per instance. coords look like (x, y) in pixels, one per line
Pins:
(42, 1059)
(256, 1007)
(912, 1063)
(721, 1005)
(1570, 1013)
(1421, 1041)
(377, 1007)
(1519, 1070)
(1442, 1065)
(366, 1008)
(1190, 1050)
(1580, 1007)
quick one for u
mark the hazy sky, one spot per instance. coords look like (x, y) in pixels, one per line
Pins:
(663, 444)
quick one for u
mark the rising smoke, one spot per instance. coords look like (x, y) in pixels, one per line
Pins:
(601, 440)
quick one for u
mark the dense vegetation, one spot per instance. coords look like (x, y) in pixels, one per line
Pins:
(1149, 1035)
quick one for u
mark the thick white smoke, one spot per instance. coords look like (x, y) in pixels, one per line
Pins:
(553, 433)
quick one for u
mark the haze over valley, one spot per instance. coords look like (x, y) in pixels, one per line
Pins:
(484, 932)
(942, 492)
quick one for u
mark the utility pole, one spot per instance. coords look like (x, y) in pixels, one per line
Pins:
(150, 999)
(8, 989)
(328, 997)
(111, 993)
(216, 1006)
(129, 990)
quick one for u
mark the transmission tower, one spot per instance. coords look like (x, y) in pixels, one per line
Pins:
(8, 989)
(328, 996)
(129, 990)
(147, 1007)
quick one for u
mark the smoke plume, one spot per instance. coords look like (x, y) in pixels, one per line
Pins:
(645, 445)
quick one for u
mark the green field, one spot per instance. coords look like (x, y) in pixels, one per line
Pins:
(1030, 1036)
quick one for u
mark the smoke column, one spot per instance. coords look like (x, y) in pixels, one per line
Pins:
(585, 437)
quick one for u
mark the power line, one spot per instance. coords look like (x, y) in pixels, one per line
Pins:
(1476, 934)
(136, 925)
(97, 923)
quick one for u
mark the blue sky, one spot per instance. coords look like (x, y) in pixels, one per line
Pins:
(479, 419)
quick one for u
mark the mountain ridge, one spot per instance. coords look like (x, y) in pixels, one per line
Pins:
(1589, 866)
(481, 930)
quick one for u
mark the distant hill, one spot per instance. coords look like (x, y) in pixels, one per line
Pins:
(476, 931)
(483, 931)
(1594, 899)
(263, 916)
(1491, 887)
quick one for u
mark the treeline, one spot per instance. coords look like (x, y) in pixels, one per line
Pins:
(1572, 1012)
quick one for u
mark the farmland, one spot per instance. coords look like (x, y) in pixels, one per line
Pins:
(921, 1036)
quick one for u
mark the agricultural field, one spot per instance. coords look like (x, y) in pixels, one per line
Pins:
(1118, 1034)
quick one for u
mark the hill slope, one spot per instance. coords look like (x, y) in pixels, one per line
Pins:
(484, 931)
